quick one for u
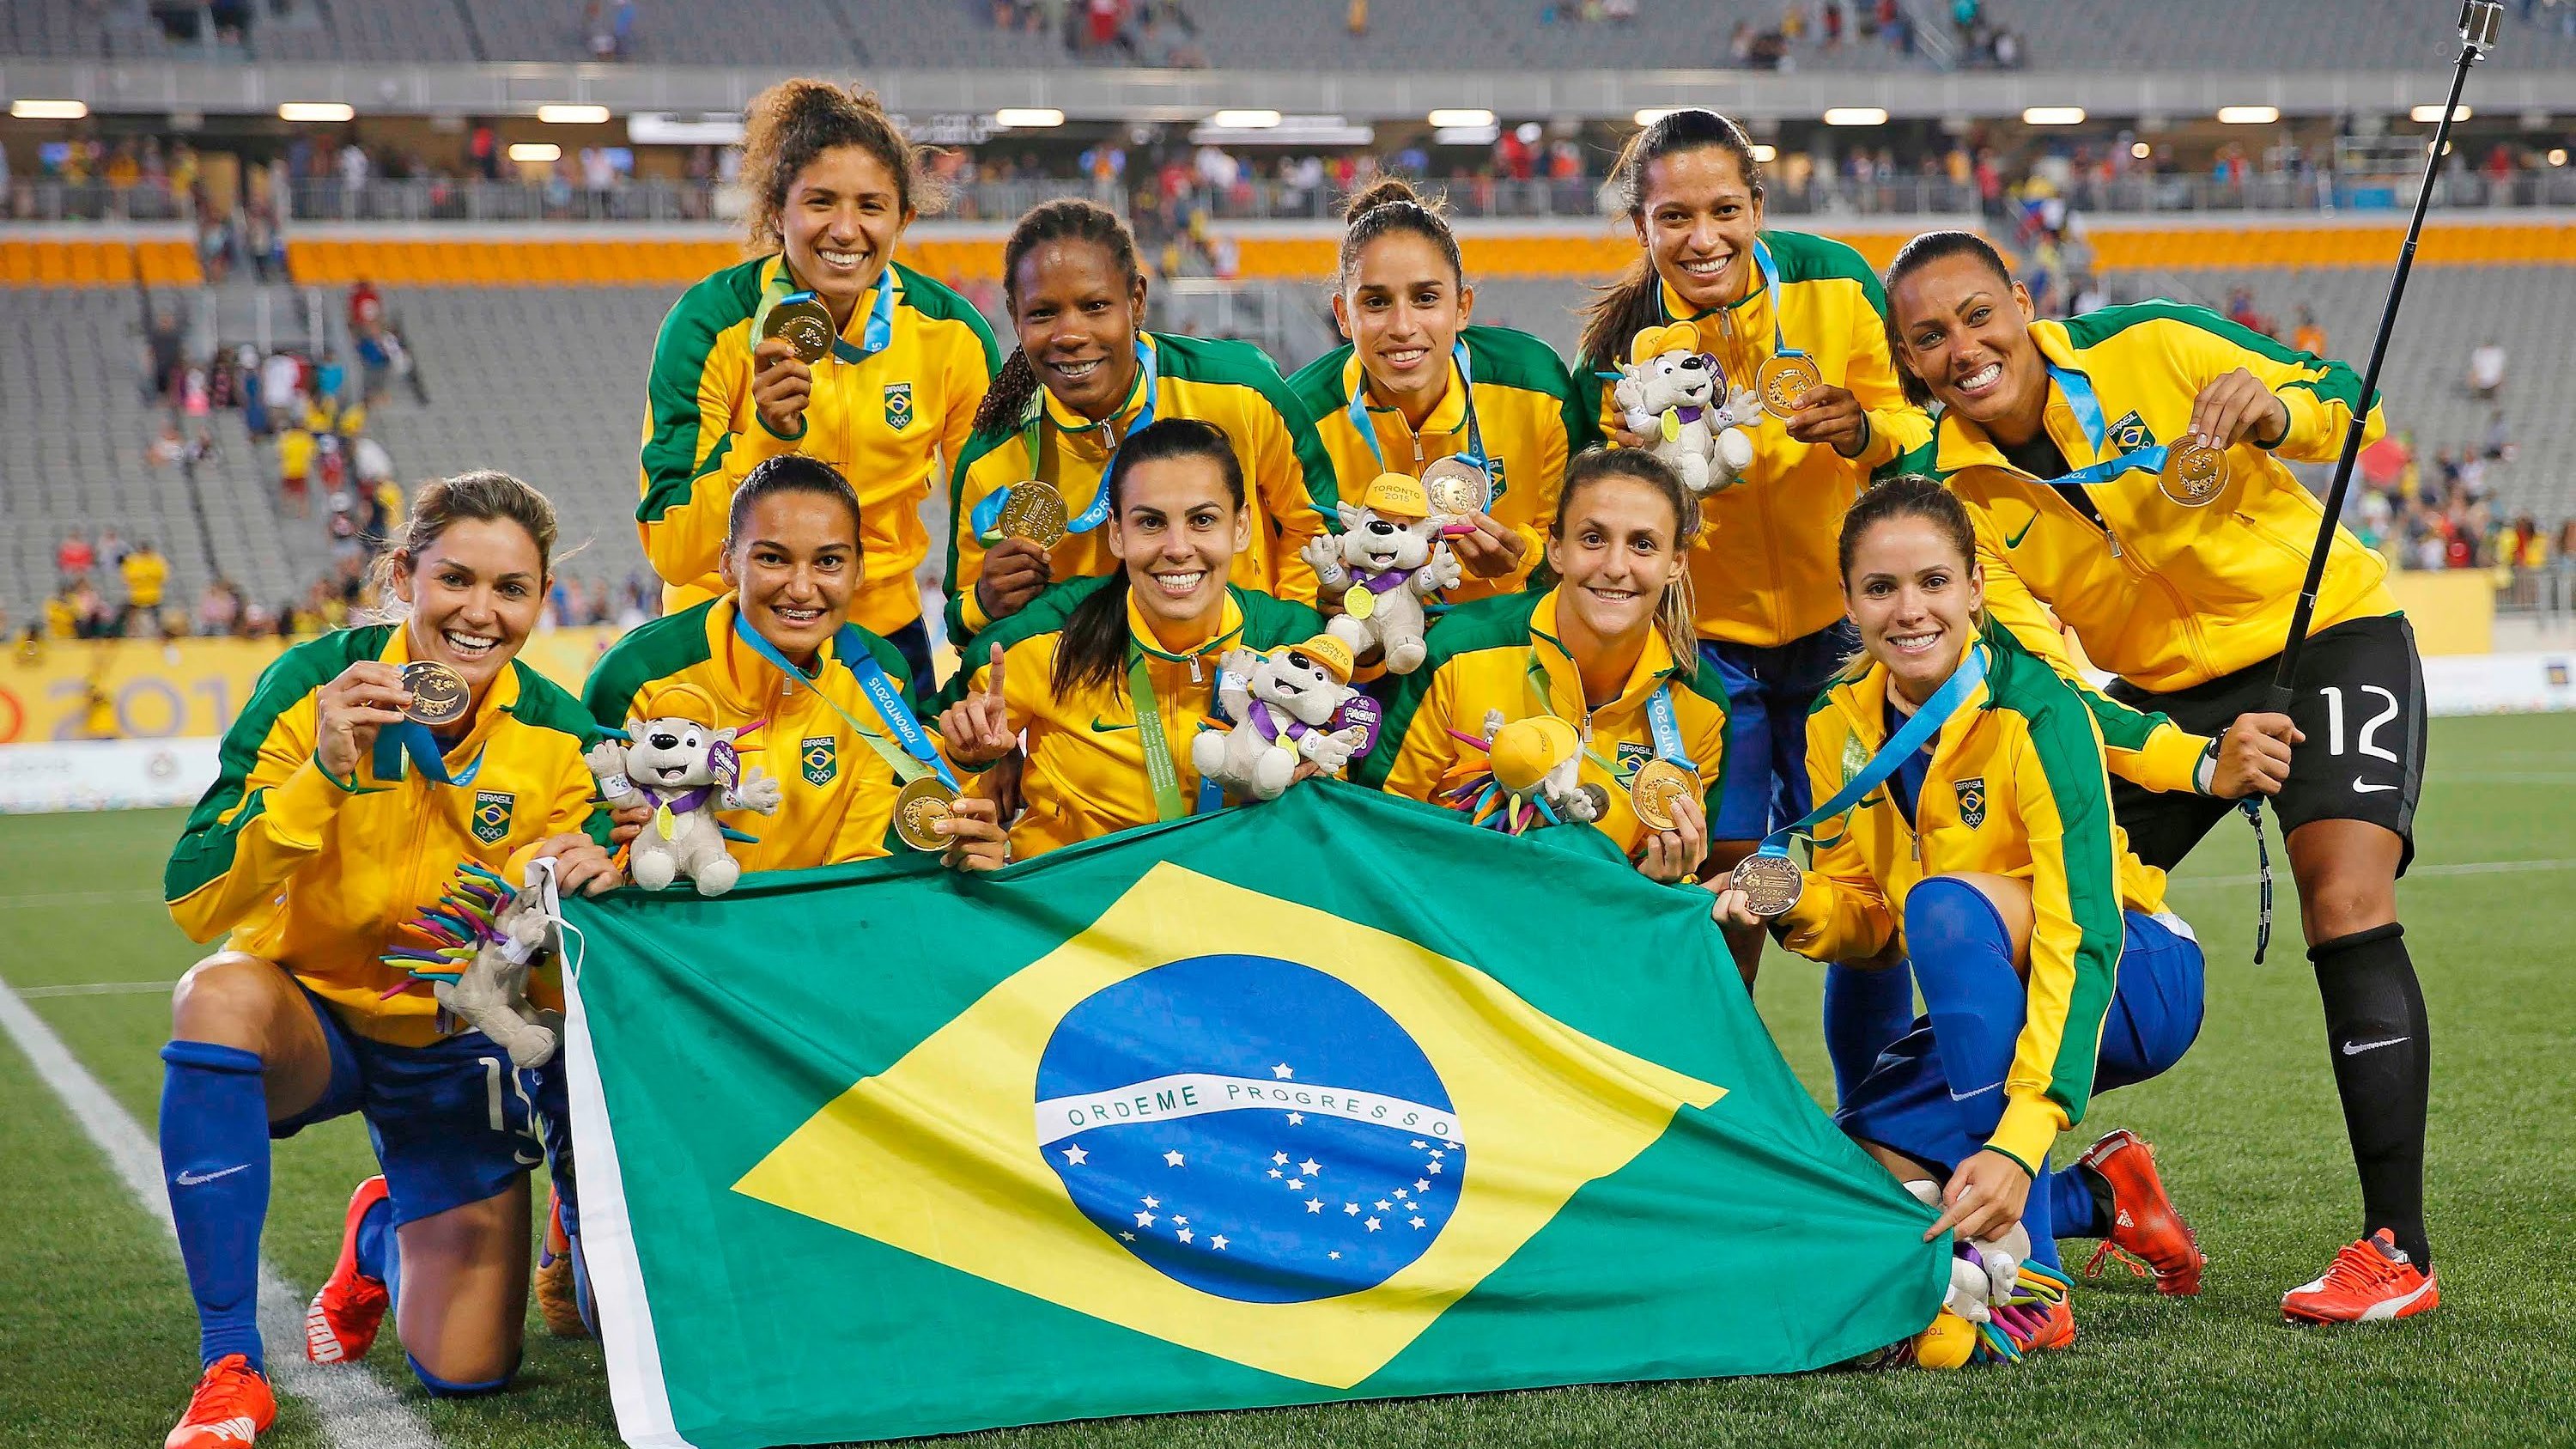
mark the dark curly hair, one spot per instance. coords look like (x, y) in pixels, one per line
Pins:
(790, 124)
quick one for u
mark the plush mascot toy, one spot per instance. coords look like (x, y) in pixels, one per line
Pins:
(475, 949)
(1282, 706)
(674, 759)
(1534, 779)
(1388, 558)
(1998, 1299)
(1673, 395)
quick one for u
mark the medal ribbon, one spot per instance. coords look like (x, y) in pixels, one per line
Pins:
(1474, 457)
(1891, 756)
(918, 757)
(1160, 770)
(874, 338)
(1771, 288)
(411, 738)
(987, 514)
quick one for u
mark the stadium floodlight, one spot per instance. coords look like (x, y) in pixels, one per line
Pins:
(2427, 115)
(2248, 115)
(2479, 20)
(35, 110)
(1253, 120)
(316, 111)
(1028, 118)
(1856, 116)
(1462, 116)
(2557, 155)
(2140, 150)
(543, 153)
(1764, 153)
(573, 115)
(1651, 114)
(2053, 116)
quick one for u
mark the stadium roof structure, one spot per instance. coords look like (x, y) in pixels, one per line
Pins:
(1155, 95)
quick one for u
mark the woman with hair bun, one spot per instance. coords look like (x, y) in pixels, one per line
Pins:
(1419, 381)
(833, 185)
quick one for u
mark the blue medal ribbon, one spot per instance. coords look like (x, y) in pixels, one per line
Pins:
(986, 517)
(1474, 457)
(1891, 756)
(874, 338)
(1667, 730)
(410, 738)
(1771, 288)
(2088, 412)
(918, 757)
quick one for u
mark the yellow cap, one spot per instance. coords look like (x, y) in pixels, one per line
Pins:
(1331, 653)
(678, 701)
(1656, 341)
(1393, 495)
(1526, 749)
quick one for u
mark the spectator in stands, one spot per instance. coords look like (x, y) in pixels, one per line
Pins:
(366, 306)
(219, 609)
(2308, 337)
(73, 557)
(146, 575)
(281, 387)
(1356, 19)
(2499, 439)
(2486, 369)
(112, 549)
(163, 338)
(295, 449)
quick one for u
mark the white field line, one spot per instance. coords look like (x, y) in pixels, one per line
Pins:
(96, 988)
(2466, 867)
(356, 1409)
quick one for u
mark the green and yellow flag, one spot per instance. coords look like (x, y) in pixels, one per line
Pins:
(1334, 1097)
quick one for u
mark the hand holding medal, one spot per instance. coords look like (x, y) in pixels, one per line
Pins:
(351, 710)
(1761, 889)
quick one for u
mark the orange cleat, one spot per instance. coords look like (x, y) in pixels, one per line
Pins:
(231, 1408)
(558, 1297)
(341, 1325)
(2147, 1232)
(2369, 1281)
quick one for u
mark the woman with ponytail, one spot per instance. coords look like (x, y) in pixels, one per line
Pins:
(833, 185)
(1418, 381)
(1771, 626)
(1608, 650)
(1087, 375)
(1110, 678)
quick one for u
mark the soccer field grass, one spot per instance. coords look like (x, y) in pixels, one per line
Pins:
(97, 1338)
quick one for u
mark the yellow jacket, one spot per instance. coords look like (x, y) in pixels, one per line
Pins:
(1527, 408)
(1499, 658)
(1286, 477)
(2174, 596)
(318, 878)
(1085, 775)
(878, 417)
(838, 789)
(1763, 570)
(2016, 787)
(146, 574)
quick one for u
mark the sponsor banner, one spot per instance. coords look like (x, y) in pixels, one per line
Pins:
(186, 688)
(104, 775)
(2501, 683)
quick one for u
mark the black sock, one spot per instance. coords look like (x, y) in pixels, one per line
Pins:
(2381, 1046)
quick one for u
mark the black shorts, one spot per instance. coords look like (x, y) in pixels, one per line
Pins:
(2360, 702)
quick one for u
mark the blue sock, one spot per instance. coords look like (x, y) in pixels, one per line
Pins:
(2072, 1205)
(440, 1388)
(376, 1245)
(214, 1161)
(1976, 1001)
(1866, 1012)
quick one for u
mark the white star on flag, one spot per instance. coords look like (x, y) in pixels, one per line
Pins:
(1296, 1184)
(1436, 1166)
(1274, 1172)
(1126, 1237)
(1279, 1157)
(1180, 1222)
(1171, 1159)
(1336, 1257)
(1417, 1222)
(1144, 1220)
(1383, 1204)
(1372, 1225)
(1281, 1072)
(1401, 1193)
(1075, 1156)
(1314, 1204)
(1217, 1242)
(1436, 1154)
(1150, 1202)
(1351, 1208)
(1296, 1119)
(1184, 1235)
(1310, 1168)
(1419, 1144)
(1421, 1185)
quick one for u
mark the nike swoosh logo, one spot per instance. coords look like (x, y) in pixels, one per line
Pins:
(1101, 726)
(2356, 1048)
(2015, 540)
(187, 1179)
(1981, 1091)
(2364, 787)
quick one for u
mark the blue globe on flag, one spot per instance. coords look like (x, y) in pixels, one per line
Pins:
(1251, 1127)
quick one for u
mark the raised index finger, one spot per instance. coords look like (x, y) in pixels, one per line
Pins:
(994, 686)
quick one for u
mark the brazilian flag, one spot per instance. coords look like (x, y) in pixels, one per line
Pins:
(1333, 1097)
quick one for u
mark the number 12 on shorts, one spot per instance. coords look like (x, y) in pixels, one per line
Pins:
(2361, 745)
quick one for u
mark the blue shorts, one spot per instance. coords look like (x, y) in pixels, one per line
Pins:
(1905, 1102)
(1768, 692)
(453, 1122)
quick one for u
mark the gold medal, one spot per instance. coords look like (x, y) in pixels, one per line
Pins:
(438, 693)
(917, 808)
(1653, 789)
(1359, 603)
(1035, 511)
(2194, 473)
(805, 323)
(1771, 884)
(1455, 487)
(1782, 380)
